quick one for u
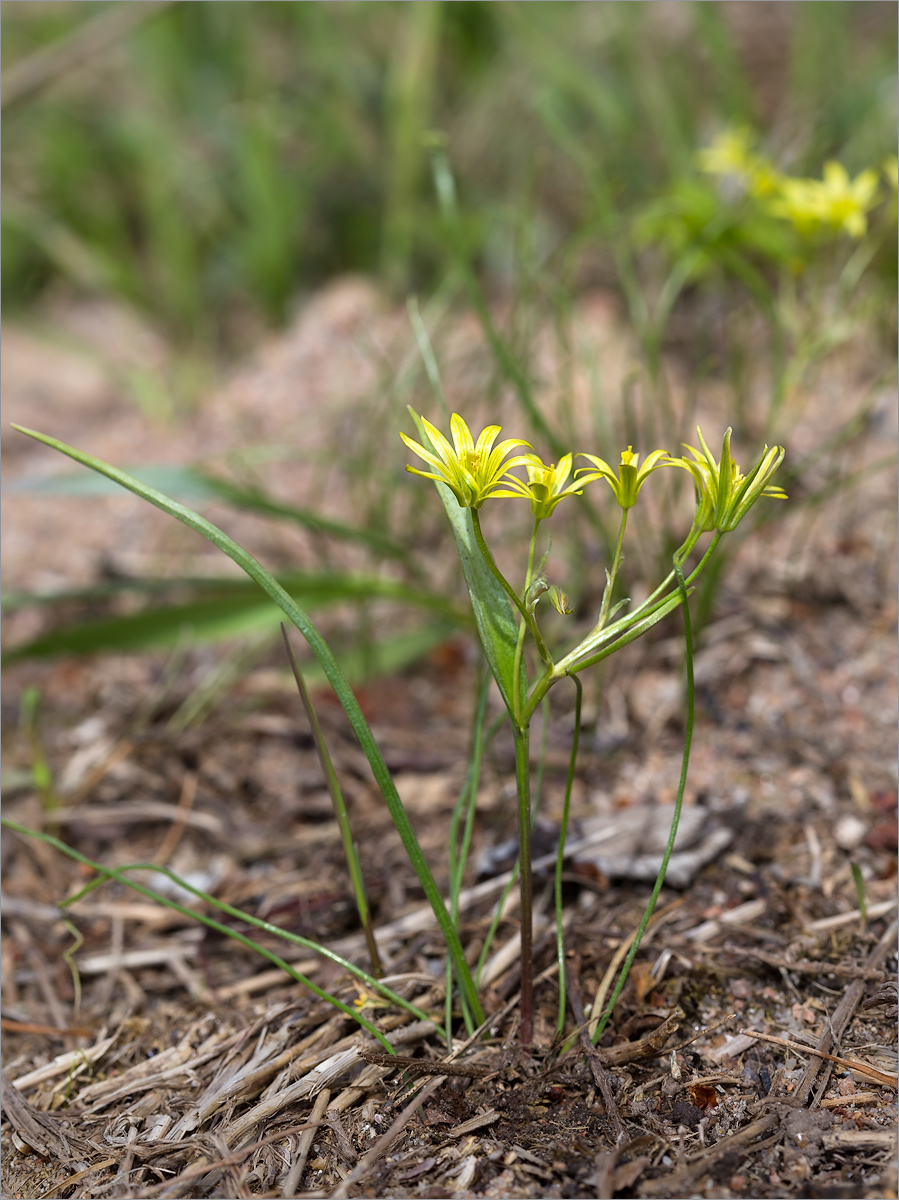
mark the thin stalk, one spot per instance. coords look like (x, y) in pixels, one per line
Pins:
(537, 785)
(678, 803)
(120, 877)
(613, 572)
(525, 883)
(494, 923)
(543, 685)
(650, 607)
(332, 670)
(457, 859)
(560, 857)
(508, 589)
(340, 811)
(519, 644)
(514, 874)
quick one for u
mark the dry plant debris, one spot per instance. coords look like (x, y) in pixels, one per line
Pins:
(753, 1053)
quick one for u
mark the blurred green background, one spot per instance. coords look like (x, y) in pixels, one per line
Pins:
(210, 166)
(211, 163)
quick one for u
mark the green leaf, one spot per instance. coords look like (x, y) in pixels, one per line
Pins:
(492, 611)
(335, 675)
(216, 609)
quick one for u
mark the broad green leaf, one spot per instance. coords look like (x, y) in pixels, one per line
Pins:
(492, 610)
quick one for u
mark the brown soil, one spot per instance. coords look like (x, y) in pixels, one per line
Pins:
(183, 1064)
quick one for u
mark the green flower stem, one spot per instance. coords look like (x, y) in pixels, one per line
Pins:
(519, 644)
(458, 854)
(644, 617)
(613, 572)
(679, 558)
(120, 877)
(527, 617)
(661, 610)
(523, 779)
(675, 819)
(560, 857)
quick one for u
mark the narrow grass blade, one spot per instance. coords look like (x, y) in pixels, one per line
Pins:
(195, 484)
(343, 820)
(120, 876)
(335, 675)
(560, 857)
(602, 1020)
(218, 609)
(465, 806)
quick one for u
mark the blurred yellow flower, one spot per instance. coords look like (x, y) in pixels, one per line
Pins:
(728, 154)
(835, 202)
(474, 471)
(731, 153)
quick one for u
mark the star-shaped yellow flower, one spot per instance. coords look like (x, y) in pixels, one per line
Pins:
(629, 478)
(473, 470)
(546, 484)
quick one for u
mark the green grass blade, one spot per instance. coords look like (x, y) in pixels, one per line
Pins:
(120, 877)
(219, 609)
(195, 484)
(603, 1019)
(335, 675)
(257, 501)
(343, 818)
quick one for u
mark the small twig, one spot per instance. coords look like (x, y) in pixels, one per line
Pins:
(706, 1029)
(802, 966)
(383, 1144)
(179, 822)
(297, 1167)
(425, 1066)
(853, 1098)
(650, 1046)
(851, 1064)
(841, 1017)
(848, 918)
(594, 1058)
(10, 1026)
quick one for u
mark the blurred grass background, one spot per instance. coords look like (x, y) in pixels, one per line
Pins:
(211, 165)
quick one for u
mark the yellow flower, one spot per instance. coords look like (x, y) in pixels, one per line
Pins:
(723, 494)
(628, 480)
(731, 154)
(367, 1000)
(546, 484)
(474, 472)
(835, 202)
